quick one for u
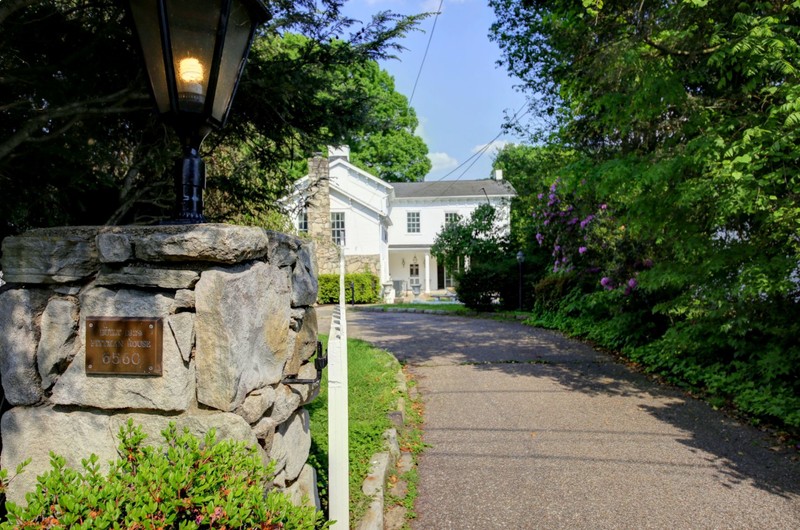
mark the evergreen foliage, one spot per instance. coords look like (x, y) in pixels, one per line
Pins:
(79, 142)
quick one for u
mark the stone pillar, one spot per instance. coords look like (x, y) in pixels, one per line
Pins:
(236, 304)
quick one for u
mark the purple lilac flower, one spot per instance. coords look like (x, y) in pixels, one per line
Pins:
(632, 283)
(586, 221)
(648, 263)
(546, 222)
(603, 206)
(606, 282)
(582, 250)
(573, 221)
(539, 238)
(553, 186)
(564, 259)
(540, 196)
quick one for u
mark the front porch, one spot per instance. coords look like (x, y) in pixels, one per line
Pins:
(416, 266)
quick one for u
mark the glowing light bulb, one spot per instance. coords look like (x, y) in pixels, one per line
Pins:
(190, 72)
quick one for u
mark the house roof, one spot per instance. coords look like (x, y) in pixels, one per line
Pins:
(453, 188)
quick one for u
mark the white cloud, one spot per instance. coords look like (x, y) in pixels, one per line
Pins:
(442, 161)
(491, 148)
(420, 130)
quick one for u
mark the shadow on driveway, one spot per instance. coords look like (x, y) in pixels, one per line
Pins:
(739, 452)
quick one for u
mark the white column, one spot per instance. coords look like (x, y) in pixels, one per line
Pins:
(427, 273)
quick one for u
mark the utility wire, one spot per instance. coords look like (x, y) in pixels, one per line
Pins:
(485, 148)
(425, 55)
(515, 118)
(474, 158)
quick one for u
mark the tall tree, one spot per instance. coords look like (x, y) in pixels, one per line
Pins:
(685, 118)
(78, 140)
(386, 144)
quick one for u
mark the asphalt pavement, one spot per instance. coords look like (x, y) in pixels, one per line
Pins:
(527, 429)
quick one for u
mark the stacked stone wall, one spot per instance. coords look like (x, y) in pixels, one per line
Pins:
(236, 305)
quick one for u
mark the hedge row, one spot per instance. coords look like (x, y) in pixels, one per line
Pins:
(363, 286)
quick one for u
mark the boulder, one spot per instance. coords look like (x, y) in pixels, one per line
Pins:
(304, 490)
(148, 277)
(114, 248)
(174, 390)
(20, 376)
(256, 404)
(291, 445)
(50, 255)
(242, 332)
(215, 243)
(59, 326)
(32, 432)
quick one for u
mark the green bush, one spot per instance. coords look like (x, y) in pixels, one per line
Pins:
(184, 484)
(492, 284)
(367, 288)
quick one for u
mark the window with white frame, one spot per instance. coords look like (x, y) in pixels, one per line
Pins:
(337, 228)
(302, 221)
(412, 222)
(451, 218)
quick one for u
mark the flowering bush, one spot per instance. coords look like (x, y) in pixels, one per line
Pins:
(586, 238)
(185, 484)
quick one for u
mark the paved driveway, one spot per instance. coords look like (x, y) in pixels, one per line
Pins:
(528, 429)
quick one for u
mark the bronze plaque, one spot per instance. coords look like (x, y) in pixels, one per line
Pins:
(124, 345)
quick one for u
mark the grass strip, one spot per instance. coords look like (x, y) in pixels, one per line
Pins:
(372, 395)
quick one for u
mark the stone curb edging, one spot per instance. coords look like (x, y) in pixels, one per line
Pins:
(411, 310)
(382, 464)
(437, 312)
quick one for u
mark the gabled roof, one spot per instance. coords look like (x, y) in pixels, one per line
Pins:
(453, 188)
(355, 169)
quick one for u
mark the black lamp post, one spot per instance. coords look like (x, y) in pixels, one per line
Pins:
(520, 261)
(194, 53)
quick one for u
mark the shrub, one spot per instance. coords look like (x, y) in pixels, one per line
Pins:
(366, 285)
(184, 484)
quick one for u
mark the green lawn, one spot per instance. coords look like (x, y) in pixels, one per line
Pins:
(372, 394)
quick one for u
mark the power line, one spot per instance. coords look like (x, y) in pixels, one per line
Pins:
(515, 118)
(425, 55)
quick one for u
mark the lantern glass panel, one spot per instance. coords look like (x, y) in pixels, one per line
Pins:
(237, 39)
(193, 33)
(145, 15)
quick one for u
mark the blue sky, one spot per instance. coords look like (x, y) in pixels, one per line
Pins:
(461, 95)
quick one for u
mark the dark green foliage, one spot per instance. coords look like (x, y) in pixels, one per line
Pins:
(186, 483)
(79, 143)
(490, 285)
(367, 288)
(680, 120)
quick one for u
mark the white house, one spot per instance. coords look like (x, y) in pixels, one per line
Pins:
(386, 228)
